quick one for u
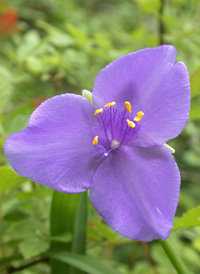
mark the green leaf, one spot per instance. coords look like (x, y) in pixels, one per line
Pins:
(196, 244)
(63, 238)
(105, 231)
(195, 109)
(17, 119)
(31, 41)
(80, 230)
(149, 6)
(33, 247)
(9, 179)
(63, 212)
(60, 39)
(7, 260)
(83, 263)
(195, 83)
(189, 219)
(16, 215)
(5, 87)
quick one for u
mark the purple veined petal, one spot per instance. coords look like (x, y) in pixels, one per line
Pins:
(168, 111)
(136, 191)
(150, 81)
(56, 149)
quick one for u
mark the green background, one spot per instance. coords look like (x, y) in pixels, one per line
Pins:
(59, 46)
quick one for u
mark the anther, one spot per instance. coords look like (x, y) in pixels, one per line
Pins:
(99, 110)
(139, 116)
(128, 106)
(95, 141)
(130, 123)
(110, 104)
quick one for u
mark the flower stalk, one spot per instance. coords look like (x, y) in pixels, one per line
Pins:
(173, 257)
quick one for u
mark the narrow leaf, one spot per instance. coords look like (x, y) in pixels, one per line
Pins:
(63, 212)
(80, 230)
(83, 263)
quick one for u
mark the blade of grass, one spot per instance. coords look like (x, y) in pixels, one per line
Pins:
(80, 230)
(83, 263)
(63, 212)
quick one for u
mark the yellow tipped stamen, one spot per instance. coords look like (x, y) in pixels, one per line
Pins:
(136, 119)
(95, 141)
(128, 106)
(139, 116)
(99, 110)
(130, 123)
(110, 104)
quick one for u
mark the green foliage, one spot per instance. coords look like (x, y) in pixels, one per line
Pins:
(83, 263)
(80, 230)
(9, 179)
(189, 219)
(195, 83)
(16, 215)
(5, 87)
(32, 247)
(60, 46)
(63, 221)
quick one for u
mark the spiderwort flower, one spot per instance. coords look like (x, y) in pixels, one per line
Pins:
(114, 147)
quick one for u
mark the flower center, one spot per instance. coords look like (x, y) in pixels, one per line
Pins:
(115, 128)
(115, 144)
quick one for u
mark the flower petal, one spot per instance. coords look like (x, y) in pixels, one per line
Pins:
(150, 81)
(56, 149)
(136, 192)
(168, 110)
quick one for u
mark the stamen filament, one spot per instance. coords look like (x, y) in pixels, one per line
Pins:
(111, 126)
(104, 128)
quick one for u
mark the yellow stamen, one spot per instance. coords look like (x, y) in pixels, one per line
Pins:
(136, 119)
(99, 110)
(130, 123)
(110, 104)
(95, 141)
(128, 106)
(139, 116)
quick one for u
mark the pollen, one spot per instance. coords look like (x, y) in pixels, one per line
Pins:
(139, 116)
(110, 104)
(130, 123)
(95, 141)
(128, 106)
(99, 110)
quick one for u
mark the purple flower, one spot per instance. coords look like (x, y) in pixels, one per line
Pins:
(114, 147)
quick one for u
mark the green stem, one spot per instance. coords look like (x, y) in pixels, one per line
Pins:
(174, 258)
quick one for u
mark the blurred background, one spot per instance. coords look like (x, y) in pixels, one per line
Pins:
(49, 47)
